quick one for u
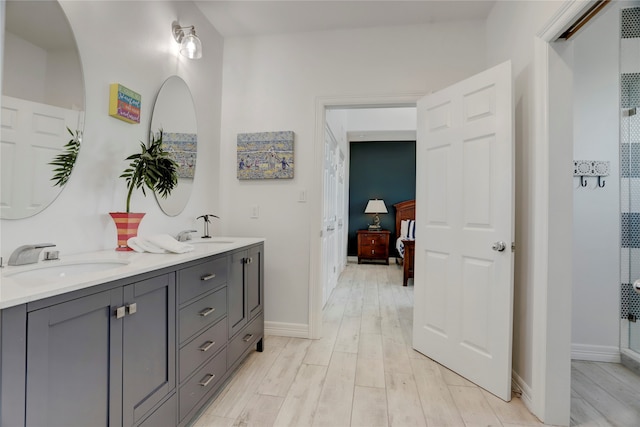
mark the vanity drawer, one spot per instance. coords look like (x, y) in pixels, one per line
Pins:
(198, 279)
(245, 339)
(202, 383)
(201, 313)
(202, 348)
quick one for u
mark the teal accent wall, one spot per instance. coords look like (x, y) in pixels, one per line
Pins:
(379, 170)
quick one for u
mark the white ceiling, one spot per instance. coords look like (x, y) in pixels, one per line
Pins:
(266, 17)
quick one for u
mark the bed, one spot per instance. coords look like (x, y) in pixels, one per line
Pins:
(405, 232)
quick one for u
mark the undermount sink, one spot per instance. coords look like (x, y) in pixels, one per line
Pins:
(213, 240)
(65, 269)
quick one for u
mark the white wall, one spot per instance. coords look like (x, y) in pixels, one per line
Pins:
(512, 30)
(596, 216)
(273, 83)
(382, 119)
(64, 71)
(128, 43)
(26, 77)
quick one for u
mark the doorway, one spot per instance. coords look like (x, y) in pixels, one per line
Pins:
(332, 110)
(364, 126)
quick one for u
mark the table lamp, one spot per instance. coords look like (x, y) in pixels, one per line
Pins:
(375, 207)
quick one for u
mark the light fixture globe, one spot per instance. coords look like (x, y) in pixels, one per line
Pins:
(190, 44)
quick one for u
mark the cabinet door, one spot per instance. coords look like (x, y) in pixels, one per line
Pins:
(74, 360)
(237, 309)
(149, 345)
(254, 271)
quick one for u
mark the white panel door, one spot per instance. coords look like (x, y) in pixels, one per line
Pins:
(32, 135)
(341, 249)
(463, 306)
(329, 239)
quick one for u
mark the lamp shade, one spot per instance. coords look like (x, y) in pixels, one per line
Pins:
(375, 206)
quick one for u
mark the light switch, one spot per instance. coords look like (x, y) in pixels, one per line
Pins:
(302, 196)
(255, 211)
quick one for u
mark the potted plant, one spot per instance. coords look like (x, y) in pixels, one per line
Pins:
(152, 168)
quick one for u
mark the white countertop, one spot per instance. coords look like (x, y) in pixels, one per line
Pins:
(15, 290)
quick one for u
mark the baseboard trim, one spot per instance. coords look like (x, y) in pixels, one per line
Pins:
(281, 329)
(595, 353)
(521, 387)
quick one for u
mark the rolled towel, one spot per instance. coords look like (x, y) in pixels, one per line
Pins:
(140, 244)
(170, 244)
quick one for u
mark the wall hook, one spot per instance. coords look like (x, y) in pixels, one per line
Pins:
(600, 182)
(583, 181)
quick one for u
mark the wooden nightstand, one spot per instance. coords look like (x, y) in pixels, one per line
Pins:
(373, 245)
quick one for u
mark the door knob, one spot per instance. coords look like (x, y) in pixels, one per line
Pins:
(499, 246)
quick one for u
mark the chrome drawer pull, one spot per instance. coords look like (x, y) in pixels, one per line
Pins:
(132, 308)
(120, 312)
(247, 337)
(207, 311)
(205, 381)
(208, 277)
(206, 346)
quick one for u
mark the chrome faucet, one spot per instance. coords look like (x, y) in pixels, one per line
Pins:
(185, 235)
(28, 254)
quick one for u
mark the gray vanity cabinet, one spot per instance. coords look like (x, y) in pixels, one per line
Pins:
(149, 350)
(148, 347)
(102, 359)
(202, 329)
(74, 363)
(246, 295)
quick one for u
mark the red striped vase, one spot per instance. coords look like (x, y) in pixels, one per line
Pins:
(127, 227)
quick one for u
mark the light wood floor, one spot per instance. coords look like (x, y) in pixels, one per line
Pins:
(363, 372)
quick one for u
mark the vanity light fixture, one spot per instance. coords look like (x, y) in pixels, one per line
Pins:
(190, 44)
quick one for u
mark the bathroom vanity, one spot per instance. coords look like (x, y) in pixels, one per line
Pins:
(148, 342)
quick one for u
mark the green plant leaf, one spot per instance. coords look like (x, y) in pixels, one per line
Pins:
(151, 169)
(66, 160)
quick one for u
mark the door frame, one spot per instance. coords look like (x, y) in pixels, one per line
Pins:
(315, 229)
(549, 397)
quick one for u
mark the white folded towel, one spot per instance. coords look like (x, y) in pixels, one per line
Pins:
(170, 244)
(158, 244)
(140, 244)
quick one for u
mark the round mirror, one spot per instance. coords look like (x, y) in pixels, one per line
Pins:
(175, 114)
(43, 104)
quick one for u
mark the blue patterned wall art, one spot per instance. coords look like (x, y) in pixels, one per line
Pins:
(182, 147)
(265, 155)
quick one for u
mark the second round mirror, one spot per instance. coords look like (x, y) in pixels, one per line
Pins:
(174, 113)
